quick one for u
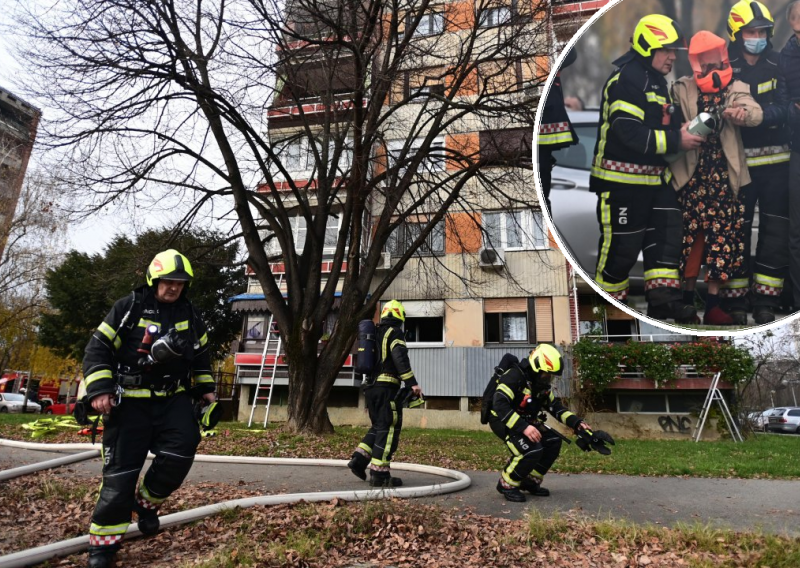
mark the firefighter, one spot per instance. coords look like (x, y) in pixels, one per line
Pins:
(636, 209)
(142, 367)
(753, 60)
(555, 129)
(523, 392)
(789, 68)
(384, 397)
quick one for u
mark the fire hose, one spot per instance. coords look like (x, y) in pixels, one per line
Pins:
(79, 544)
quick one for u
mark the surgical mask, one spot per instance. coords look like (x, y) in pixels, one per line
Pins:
(755, 46)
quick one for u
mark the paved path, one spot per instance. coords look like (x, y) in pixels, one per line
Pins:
(772, 506)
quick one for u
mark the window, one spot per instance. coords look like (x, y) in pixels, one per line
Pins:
(671, 403)
(514, 230)
(255, 327)
(507, 147)
(424, 330)
(299, 230)
(505, 320)
(424, 325)
(491, 17)
(297, 156)
(402, 152)
(430, 24)
(403, 236)
(518, 320)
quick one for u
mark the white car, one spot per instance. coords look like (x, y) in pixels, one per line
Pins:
(13, 402)
(573, 205)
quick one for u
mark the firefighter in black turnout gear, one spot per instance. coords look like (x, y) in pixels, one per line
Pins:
(637, 209)
(142, 367)
(555, 129)
(384, 395)
(523, 393)
(750, 27)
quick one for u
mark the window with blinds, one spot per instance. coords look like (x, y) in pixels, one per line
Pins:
(518, 320)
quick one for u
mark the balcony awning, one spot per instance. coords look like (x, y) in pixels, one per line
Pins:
(255, 303)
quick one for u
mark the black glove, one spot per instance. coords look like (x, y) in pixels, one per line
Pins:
(596, 440)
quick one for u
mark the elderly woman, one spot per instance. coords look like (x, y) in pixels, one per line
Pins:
(708, 179)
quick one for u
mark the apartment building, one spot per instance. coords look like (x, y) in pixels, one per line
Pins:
(18, 124)
(488, 279)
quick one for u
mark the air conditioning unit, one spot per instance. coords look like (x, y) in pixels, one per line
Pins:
(385, 263)
(490, 257)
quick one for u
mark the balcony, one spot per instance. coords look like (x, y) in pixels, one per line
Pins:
(583, 9)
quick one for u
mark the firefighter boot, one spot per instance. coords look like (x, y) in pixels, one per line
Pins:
(763, 314)
(148, 519)
(358, 465)
(510, 492)
(534, 487)
(102, 556)
(383, 479)
(676, 310)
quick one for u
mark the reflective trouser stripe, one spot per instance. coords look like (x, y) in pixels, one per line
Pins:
(383, 461)
(605, 220)
(108, 530)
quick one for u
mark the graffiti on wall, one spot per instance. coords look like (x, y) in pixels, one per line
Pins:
(676, 424)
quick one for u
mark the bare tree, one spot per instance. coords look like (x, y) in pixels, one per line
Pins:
(33, 241)
(397, 112)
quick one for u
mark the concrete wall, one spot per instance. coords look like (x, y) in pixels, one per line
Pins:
(622, 426)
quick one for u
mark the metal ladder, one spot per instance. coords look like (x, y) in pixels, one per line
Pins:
(258, 392)
(714, 394)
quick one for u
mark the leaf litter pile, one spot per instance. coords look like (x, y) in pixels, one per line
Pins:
(46, 507)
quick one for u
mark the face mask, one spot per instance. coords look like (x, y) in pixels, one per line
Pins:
(755, 46)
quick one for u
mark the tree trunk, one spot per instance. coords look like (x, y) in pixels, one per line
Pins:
(311, 377)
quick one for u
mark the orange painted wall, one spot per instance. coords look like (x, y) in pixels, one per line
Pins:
(467, 145)
(462, 233)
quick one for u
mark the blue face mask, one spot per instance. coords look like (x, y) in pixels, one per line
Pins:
(755, 46)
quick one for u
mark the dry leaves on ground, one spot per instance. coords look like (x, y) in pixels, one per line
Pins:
(44, 508)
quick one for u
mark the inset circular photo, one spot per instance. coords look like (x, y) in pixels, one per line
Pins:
(665, 162)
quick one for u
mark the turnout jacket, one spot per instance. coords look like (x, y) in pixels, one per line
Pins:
(111, 356)
(686, 92)
(395, 367)
(767, 143)
(636, 128)
(555, 129)
(789, 68)
(515, 400)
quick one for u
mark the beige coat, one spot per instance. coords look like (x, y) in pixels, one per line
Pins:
(685, 92)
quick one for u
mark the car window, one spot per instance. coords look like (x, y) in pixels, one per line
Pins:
(579, 156)
(12, 397)
(794, 412)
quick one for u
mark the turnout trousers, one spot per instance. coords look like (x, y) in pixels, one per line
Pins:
(167, 427)
(770, 189)
(527, 458)
(646, 219)
(386, 417)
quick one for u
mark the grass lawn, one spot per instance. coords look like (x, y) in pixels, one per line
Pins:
(768, 456)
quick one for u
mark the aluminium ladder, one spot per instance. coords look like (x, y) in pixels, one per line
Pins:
(271, 330)
(714, 394)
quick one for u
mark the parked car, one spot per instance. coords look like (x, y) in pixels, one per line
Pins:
(758, 420)
(59, 408)
(786, 420)
(13, 402)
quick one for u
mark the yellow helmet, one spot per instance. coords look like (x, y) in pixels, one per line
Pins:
(546, 359)
(657, 32)
(394, 309)
(748, 15)
(169, 264)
